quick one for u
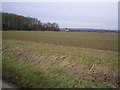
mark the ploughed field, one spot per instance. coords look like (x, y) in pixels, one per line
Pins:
(39, 59)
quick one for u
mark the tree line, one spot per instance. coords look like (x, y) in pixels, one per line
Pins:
(17, 22)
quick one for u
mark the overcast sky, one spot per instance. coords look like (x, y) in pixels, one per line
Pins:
(69, 14)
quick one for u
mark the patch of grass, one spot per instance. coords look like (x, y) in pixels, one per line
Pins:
(35, 77)
(39, 65)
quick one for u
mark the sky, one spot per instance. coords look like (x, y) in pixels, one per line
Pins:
(99, 15)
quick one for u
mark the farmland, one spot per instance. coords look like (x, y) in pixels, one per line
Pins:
(38, 59)
(102, 41)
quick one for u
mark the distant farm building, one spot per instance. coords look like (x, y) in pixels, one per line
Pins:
(66, 30)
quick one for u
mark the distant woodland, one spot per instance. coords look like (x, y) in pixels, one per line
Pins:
(18, 22)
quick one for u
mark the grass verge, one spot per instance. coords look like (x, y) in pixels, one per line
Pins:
(37, 65)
